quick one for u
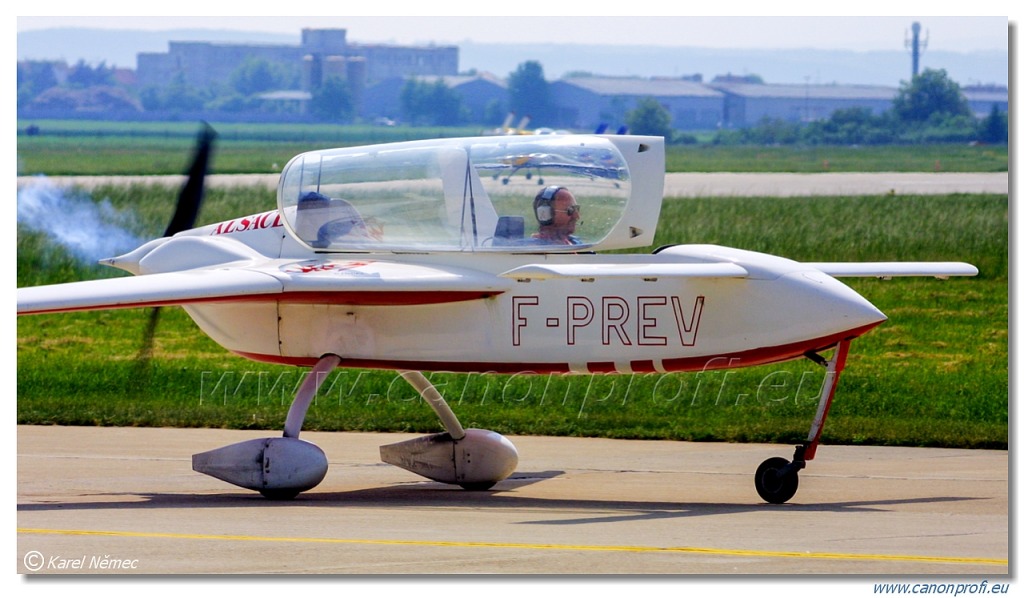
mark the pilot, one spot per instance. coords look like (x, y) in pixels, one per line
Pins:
(331, 219)
(557, 214)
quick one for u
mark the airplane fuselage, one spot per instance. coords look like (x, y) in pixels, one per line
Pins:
(508, 319)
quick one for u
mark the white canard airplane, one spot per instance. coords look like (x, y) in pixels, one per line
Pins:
(413, 256)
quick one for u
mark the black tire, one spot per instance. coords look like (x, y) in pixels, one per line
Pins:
(279, 493)
(478, 486)
(775, 482)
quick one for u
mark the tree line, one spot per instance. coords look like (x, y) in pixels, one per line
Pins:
(930, 108)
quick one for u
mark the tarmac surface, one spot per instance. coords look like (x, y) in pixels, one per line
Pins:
(125, 500)
(741, 184)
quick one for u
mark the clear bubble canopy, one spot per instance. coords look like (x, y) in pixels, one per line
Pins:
(472, 194)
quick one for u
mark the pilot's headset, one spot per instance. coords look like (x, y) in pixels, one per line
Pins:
(542, 207)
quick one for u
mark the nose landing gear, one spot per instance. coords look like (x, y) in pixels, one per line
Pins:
(776, 479)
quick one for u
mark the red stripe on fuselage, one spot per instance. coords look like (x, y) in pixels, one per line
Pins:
(752, 357)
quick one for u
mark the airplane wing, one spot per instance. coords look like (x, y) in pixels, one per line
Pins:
(732, 270)
(331, 282)
(150, 290)
(890, 269)
(650, 270)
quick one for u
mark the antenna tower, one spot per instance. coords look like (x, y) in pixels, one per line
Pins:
(916, 46)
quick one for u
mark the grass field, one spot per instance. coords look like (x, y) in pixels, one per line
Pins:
(936, 374)
(926, 158)
(75, 148)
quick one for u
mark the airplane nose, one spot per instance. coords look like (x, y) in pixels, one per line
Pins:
(841, 306)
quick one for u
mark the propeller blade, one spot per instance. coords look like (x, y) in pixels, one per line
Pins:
(191, 196)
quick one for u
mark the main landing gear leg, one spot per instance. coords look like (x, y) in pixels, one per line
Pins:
(278, 468)
(433, 398)
(474, 459)
(776, 479)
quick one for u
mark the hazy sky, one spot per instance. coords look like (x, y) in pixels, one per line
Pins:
(958, 34)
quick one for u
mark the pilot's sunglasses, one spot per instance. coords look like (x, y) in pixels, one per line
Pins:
(571, 210)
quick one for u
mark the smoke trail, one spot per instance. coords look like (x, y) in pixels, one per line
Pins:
(89, 230)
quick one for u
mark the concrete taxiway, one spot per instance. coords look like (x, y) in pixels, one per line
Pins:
(125, 500)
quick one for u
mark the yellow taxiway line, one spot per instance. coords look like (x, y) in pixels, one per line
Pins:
(527, 546)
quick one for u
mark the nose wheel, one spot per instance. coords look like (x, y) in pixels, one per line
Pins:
(776, 480)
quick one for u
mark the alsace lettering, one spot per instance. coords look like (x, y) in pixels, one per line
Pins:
(271, 219)
(657, 320)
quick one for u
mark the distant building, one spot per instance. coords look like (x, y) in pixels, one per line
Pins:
(383, 62)
(981, 98)
(747, 104)
(383, 99)
(202, 64)
(479, 94)
(322, 53)
(482, 95)
(586, 102)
